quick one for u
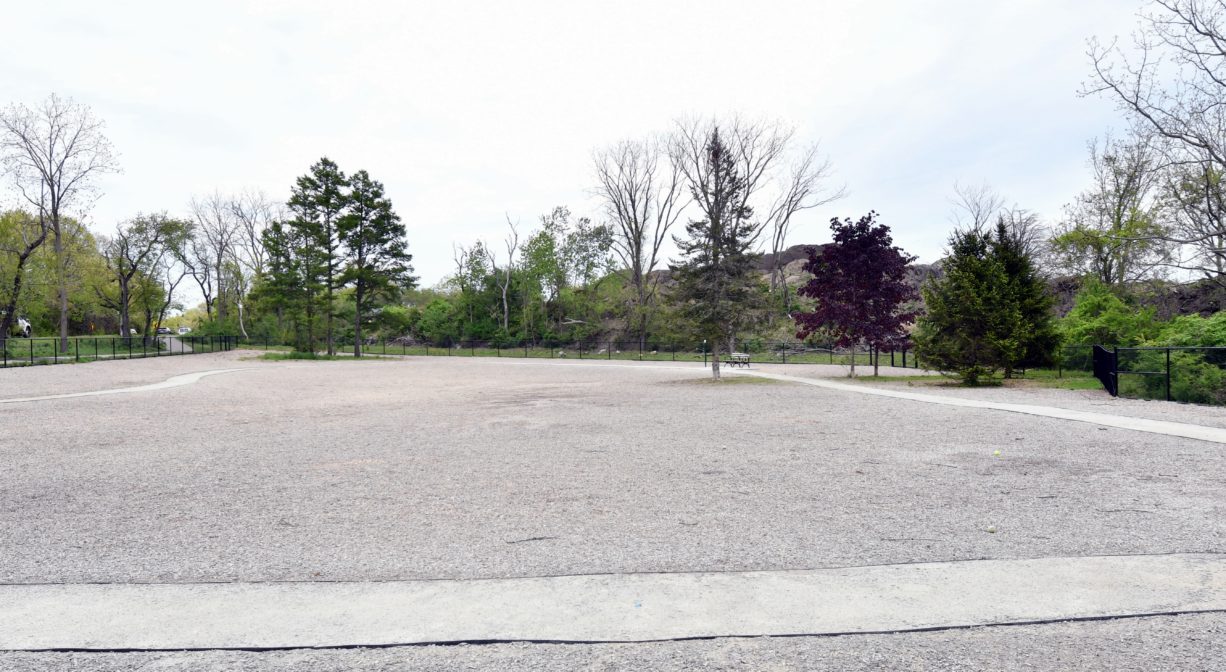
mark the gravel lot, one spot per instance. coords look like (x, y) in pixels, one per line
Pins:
(458, 468)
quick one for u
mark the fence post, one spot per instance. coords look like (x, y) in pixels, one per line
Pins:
(580, 349)
(55, 351)
(609, 350)
(1168, 374)
(1115, 370)
(31, 352)
(673, 347)
(785, 353)
(76, 355)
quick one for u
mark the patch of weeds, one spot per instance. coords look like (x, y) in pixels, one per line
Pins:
(314, 356)
(739, 379)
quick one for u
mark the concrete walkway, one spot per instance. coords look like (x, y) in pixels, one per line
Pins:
(175, 381)
(607, 608)
(1182, 429)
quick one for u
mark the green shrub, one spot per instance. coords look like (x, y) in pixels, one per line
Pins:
(1100, 317)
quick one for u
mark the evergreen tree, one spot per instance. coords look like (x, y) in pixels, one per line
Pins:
(714, 278)
(973, 326)
(1037, 336)
(859, 282)
(318, 201)
(293, 281)
(376, 253)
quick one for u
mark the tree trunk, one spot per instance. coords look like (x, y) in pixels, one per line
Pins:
(331, 336)
(61, 273)
(853, 362)
(10, 311)
(357, 321)
(125, 320)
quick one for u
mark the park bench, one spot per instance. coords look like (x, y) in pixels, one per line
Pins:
(738, 359)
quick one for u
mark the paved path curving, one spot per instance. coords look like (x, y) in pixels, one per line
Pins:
(607, 608)
(1181, 429)
(175, 381)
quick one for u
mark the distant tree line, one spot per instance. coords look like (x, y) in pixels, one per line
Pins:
(330, 265)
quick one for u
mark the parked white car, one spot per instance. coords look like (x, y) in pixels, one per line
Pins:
(183, 331)
(21, 327)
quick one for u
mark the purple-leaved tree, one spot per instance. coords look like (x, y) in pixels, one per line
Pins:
(859, 282)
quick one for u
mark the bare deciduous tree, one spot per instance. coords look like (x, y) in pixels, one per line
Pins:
(1195, 202)
(511, 242)
(217, 229)
(727, 166)
(643, 195)
(1170, 82)
(56, 152)
(975, 207)
(801, 188)
(254, 211)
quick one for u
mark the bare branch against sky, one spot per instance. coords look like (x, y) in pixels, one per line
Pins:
(468, 111)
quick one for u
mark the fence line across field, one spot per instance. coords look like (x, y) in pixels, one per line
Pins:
(759, 352)
(47, 350)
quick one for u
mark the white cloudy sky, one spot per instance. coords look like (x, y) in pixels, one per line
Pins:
(469, 110)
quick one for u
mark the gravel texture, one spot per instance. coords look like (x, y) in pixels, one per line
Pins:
(1191, 642)
(458, 468)
(436, 468)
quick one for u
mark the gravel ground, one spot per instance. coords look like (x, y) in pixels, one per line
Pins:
(458, 468)
(429, 468)
(1192, 642)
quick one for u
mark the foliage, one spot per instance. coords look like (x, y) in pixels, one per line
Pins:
(318, 201)
(1038, 337)
(973, 326)
(859, 284)
(713, 280)
(376, 253)
(1100, 317)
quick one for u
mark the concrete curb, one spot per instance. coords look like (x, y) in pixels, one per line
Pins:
(606, 608)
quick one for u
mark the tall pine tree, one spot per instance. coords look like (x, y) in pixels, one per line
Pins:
(1037, 337)
(376, 253)
(714, 278)
(318, 200)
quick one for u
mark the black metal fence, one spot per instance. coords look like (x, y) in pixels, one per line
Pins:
(36, 351)
(1187, 374)
(759, 352)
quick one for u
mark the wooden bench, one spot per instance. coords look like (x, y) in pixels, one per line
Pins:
(738, 359)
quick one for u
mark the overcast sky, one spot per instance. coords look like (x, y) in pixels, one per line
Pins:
(467, 111)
